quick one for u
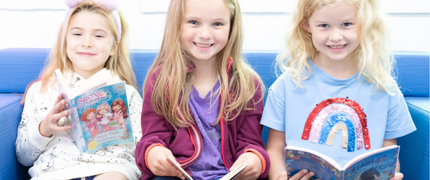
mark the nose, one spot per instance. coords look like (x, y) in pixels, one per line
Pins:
(204, 33)
(87, 42)
(336, 35)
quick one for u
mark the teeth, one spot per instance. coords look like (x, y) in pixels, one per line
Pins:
(337, 47)
(203, 45)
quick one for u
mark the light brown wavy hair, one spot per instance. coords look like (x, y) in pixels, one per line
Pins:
(238, 86)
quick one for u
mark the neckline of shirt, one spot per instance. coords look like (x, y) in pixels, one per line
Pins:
(329, 78)
(197, 97)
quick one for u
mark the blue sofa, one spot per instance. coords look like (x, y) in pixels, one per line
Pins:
(18, 67)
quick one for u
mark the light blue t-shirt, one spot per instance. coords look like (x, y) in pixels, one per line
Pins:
(328, 110)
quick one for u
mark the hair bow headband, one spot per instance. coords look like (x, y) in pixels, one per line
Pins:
(110, 5)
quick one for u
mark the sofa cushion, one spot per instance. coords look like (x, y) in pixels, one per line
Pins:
(19, 67)
(141, 61)
(413, 73)
(10, 112)
(414, 147)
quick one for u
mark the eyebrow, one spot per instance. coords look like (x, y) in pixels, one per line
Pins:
(346, 20)
(197, 18)
(93, 30)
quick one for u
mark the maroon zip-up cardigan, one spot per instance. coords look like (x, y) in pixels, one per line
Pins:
(243, 134)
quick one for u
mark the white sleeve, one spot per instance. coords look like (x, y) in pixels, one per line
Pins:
(135, 110)
(30, 143)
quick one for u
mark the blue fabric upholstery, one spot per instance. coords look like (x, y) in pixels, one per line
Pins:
(414, 147)
(413, 73)
(20, 66)
(10, 112)
(142, 61)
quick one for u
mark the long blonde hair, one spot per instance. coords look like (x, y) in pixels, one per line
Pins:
(119, 63)
(372, 56)
(173, 87)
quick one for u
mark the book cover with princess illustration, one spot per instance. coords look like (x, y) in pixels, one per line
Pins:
(99, 116)
(374, 165)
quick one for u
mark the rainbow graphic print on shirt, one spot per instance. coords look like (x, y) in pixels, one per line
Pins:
(338, 113)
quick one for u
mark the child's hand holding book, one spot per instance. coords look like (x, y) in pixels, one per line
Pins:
(49, 125)
(235, 170)
(301, 175)
(161, 163)
(254, 168)
(98, 95)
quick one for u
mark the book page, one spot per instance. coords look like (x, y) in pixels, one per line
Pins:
(360, 157)
(297, 159)
(232, 174)
(108, 82)
(95, 81)
(62, 83)
(173, 162)
(380, 163)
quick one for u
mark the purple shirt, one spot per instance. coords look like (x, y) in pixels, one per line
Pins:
(205, 110)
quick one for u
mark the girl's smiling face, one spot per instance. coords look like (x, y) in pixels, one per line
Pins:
(90, 42)
(116, 107)
(91, 117)
(335, 31)
(103, 111)
(205, 29)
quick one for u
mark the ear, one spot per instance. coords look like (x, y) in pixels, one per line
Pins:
(114, 48)
(305, 26)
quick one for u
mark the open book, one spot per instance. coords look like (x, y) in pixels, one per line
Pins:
(378, 164)
(98, 111)
(231, 175)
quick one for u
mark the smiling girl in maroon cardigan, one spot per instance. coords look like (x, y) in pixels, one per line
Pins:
(202, 103)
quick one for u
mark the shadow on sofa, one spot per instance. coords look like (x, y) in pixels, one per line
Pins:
(18, 67)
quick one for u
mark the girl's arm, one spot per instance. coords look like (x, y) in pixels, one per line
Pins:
(275, 149)
(390, 142)
(30, 143)
(135, 111)
(156, 131)
(250, 145)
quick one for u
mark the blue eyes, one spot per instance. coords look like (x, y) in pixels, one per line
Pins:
(347, 24)
(97, 36)
(326, 25)
(193, 22)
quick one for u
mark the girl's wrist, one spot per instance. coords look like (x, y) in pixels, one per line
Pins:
(42, 131)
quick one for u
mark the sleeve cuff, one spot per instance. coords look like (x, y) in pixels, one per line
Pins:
(263, 161)
(147, 152)
(36, 139)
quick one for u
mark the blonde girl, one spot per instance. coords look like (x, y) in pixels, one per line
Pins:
(101, 110)
(202, 102)
(93, 36)
(336, 66)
